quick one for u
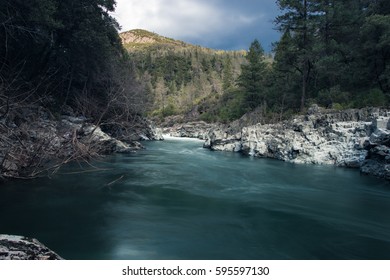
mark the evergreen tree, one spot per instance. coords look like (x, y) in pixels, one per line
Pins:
(62, 52)
(297, 20)
(227, 74)
(252, 76)
(375, 34)
(285, 91)
(338, 44)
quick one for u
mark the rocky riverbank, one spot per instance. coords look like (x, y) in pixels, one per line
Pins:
(34, 143)
(198, 130)
(356, 138)
(22, 248)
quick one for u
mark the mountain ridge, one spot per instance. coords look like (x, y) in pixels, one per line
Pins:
(139, 39)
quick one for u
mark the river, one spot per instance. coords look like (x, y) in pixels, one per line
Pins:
(176, 200)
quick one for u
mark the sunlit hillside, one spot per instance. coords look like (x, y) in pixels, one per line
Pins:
(181, 78)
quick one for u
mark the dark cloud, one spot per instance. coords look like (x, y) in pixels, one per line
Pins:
(218, 24)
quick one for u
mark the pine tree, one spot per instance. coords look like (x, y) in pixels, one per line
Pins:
(297, 20)
(252, 76)
(375, 34)
(227, 74)
(285, 76)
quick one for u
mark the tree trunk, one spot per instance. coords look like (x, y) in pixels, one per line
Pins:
(305, 68)
(304, 87)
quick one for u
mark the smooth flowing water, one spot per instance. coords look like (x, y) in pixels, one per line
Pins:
(176, 200)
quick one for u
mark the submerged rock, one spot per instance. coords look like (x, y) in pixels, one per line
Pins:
(23, 248)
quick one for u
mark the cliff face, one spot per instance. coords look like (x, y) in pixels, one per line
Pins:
(351, 138)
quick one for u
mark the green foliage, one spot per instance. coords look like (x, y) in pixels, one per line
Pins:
(228, 75)
(232, 106)
(183, 73)
(376, 45)
(253, 75)
(297, 21)
(328, 98)
(332, 53)
(167, 111)
(229, 107)
(66, 52)
(374, 98)
(336, 53)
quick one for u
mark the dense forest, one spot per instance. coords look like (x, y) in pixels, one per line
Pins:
(335, 53)
(68, 53)
(332, 53)
(63, 60)
(65, 53)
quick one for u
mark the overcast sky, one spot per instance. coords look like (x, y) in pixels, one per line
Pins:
(218, 24)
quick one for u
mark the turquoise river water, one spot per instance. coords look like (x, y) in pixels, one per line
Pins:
(176, 200)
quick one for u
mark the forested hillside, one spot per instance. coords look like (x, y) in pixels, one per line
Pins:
(181, 78)
(331, 52)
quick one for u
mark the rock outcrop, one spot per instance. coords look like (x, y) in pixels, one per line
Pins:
(350, 138)
(198, 130)
(151, 133)
(22, 248)
(32, 141)
(92, 137)
(377, 162)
